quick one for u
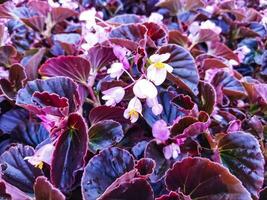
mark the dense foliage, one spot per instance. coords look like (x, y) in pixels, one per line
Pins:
(133, 100)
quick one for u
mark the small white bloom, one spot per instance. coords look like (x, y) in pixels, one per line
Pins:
(44, 154)
(171, 151)
(113, 96)
(116, 70)
(154, 104)
(89, 17)
(133, 110)
(144, 89)
(155, 17)
(210, 25)
(157, 71)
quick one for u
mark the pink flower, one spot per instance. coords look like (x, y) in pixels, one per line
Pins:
(154, 104)
(113, 95)
(171, 151)
(133, 110)
(44, 154)
(160, 131)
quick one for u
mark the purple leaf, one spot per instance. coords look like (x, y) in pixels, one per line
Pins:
(202, 178)
(155, 152)
(63, 88)
(104, 134)
(103, 169)
(185, 73)
(17, 171)
(12, 118)
(32, 61)
(16, 79)
(100, 113)
(70, 151)
(129, 36)
(241, 153)
(137, 188)
(100, 56)
(9, 192)
(74, 67)
(207, 97)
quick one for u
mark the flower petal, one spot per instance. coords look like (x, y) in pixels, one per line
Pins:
(144, 89)
(158, 76)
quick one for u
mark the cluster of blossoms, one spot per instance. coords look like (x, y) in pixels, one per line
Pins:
(147, 100)
(143, 88)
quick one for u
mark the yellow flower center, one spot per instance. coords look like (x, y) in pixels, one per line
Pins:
(159, 65)
(39, 165)
(133, 113)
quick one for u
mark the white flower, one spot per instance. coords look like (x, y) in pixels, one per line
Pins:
(171, 151)
(144, 89)
(210, 25)
(113, 95)
(116, 70)
(44, 154)
(154, 104)
(155, 17)
(133, 110)
(157, 71)
(89, 17)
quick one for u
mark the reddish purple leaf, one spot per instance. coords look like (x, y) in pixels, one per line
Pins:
(204, 179)
(69, 153)
(74, 67)
(57, 88)
(137, 188)
(129, 36)
(103, 169)
(241, 153)
(44, 190)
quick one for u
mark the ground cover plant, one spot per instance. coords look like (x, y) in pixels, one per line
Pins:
(133, 100)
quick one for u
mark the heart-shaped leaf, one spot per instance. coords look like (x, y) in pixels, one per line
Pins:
(241, 153)
(228, 84)
(63, 87)
(100, 56)
(185, 73)
(104, 134)
(69, 153)
(129, 36)
(201, 178)
(103, 169)
(74, 67)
